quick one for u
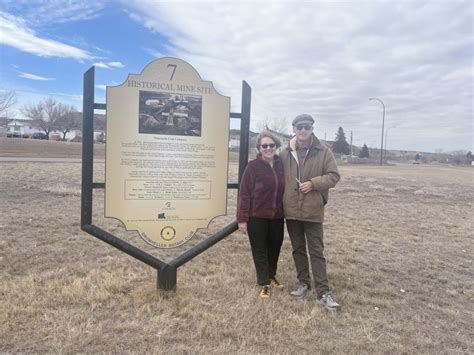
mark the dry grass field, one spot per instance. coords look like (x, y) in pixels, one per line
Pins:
(399, 249)
(17, 147)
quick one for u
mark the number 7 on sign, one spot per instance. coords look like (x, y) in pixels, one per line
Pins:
(174, 70)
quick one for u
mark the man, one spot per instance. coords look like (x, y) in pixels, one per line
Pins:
(310, 171)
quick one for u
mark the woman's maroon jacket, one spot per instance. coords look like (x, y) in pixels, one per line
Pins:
(261, 190)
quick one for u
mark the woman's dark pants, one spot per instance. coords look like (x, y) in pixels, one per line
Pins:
(266, 238)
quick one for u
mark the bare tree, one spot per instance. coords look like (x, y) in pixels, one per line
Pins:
(458, 156)
(68, 119)
(7, 100)
(44, 114)
(277, 124)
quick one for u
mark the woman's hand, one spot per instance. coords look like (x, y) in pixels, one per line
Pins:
(243, 227)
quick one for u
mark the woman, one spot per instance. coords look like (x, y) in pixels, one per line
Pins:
(260, 210)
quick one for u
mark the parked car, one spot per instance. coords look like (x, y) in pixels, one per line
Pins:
(39, 135)
(14, 135)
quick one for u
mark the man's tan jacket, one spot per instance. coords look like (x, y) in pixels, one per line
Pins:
(320, 168)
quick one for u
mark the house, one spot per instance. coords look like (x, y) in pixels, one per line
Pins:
(234, 144)
(234, 139)
(15, 129)
(24, 128)
(20, 128)
(283, 137)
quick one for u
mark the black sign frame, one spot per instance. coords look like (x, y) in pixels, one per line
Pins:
(167, 272)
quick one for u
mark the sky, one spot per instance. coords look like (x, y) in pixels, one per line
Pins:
(324, 58)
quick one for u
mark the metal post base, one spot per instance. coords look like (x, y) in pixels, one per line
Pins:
(167, 278)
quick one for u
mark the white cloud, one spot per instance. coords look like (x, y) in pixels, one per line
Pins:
(47, 12)
(154, 52)
(15, 33)
(327, 59)
(115, 64)
(34, 77)
(101, 65)
(101, 87)
(109, 65)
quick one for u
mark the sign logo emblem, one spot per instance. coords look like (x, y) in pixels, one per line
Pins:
(168, 233)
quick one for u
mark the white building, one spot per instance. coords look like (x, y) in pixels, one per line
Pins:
(18, 128)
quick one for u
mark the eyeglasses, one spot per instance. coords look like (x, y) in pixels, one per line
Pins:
(265, 146)
(300, 127)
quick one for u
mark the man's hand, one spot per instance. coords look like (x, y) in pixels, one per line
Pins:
(243, 227)
(306, 187)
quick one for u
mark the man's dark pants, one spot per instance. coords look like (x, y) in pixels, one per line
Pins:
(266, 237)
(311, 234)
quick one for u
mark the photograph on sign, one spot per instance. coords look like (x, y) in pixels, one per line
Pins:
(170, 113)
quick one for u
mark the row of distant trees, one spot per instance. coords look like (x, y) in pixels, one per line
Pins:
(341, 146)
(49, 114)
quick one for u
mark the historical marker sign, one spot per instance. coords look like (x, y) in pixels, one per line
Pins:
(167, 152)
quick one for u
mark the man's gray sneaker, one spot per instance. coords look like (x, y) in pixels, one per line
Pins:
(327, 300)
(300, 291)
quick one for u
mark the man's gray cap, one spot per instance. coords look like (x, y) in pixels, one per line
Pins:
(304, 118)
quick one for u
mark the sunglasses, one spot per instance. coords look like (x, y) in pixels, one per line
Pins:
(265, 146)
(300, 127)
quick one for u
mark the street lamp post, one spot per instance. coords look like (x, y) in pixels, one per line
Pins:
(386, 133)
(383, 122)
